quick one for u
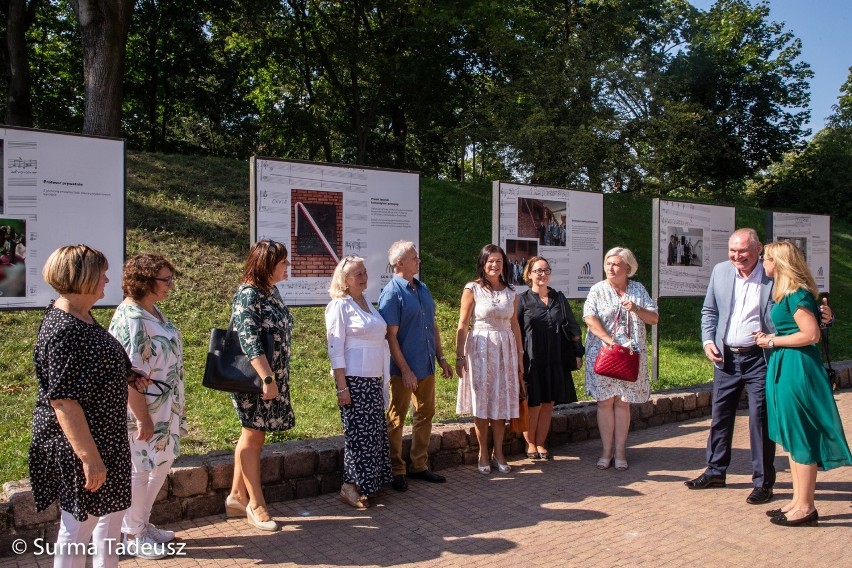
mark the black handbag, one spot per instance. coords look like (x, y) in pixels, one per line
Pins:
(571, 348)
(228, 369)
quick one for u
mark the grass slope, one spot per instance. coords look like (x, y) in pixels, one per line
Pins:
(196, 212)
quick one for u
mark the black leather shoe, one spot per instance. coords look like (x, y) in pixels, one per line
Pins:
(399, 483)
(774, 512)
(427, 475)
(811, 520)
(759, 495)
(704, 481)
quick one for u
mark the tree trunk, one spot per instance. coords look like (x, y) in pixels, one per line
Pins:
(19, 110)
(103, 28)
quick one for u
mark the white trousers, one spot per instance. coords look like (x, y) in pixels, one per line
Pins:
(145, 485)
(72, 542)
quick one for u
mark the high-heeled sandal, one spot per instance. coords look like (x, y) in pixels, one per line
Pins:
(503, 467)
(352, 498)
(256, 516)
(621, 465)
(604, 463)
(234, 508)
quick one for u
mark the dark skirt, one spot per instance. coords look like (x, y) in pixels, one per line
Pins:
(366, 453)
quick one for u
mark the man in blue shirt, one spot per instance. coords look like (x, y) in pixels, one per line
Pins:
(414, 341)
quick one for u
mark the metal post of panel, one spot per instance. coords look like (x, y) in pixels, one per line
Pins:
(655, 283)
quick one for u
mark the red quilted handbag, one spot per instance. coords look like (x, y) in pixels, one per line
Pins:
(617, 361)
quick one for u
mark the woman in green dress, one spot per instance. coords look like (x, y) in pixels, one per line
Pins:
(801, 411)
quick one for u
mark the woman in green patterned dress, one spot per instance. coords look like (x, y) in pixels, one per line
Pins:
(257, 310)
(156, 417)
(801, 411)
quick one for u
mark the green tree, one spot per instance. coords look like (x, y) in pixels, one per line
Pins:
(819, 178)
(743, 83)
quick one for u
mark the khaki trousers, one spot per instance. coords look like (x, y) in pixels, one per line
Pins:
(423, 400)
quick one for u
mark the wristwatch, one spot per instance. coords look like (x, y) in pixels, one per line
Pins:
(771, 343)
(267, 380)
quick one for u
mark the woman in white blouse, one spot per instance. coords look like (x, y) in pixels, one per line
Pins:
(359, 360)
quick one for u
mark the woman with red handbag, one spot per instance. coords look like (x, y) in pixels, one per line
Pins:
(616, 312)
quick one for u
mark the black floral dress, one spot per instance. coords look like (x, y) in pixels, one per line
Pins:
(79, 361)
(256, 312)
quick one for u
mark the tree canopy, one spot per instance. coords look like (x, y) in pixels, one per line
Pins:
(604, 95)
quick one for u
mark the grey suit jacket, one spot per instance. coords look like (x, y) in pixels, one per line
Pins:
(716, 312)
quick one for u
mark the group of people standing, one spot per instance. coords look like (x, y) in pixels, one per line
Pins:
(681, 251)
(759, 324)
(110, 408)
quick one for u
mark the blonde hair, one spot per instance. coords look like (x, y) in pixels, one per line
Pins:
(74, 269)
(791, 271)
(626, 255)
(338, 288)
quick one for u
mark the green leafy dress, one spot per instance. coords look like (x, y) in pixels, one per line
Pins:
(256, 312)
(801, 411)
(155, 346)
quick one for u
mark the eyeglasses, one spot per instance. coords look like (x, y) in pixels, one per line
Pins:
(168, 280)
(541, 271)
(161, 388)
(347, 259)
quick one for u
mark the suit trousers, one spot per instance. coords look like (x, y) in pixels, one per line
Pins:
(741, 371)
(423, 400)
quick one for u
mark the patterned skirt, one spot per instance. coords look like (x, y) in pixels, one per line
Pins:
(366, 454)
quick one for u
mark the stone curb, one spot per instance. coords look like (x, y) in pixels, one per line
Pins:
(197, 485)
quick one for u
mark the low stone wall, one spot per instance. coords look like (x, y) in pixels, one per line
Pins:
(197, 485)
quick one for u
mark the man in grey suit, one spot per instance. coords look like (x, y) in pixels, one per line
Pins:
(737, 305)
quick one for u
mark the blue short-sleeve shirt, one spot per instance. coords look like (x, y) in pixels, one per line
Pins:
(411, 308)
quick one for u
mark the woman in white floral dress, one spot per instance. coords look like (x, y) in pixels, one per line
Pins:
(156, 417)
(616, 311)
(489, 355)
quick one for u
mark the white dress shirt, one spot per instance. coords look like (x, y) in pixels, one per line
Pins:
(745, 311)
(356, 339)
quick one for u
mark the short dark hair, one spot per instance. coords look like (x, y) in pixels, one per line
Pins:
(262, 259)
(139, 276)
(487, 251)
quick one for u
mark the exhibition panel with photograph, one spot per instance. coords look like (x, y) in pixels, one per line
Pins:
(691, 238)
(57, 189)
(564, 226)
(811, 234)
(324, 212)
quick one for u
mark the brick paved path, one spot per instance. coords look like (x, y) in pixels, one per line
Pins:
(559, 513)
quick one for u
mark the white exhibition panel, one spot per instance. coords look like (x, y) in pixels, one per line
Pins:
(811, 234)
(563, 226)
(325, 212)
(61, 189)
(701, 232)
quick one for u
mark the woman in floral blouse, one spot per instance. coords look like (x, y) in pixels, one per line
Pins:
(257, 310)
(156, 416)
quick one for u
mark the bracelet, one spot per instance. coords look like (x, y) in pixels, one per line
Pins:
(441, 358)
(343, 390)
